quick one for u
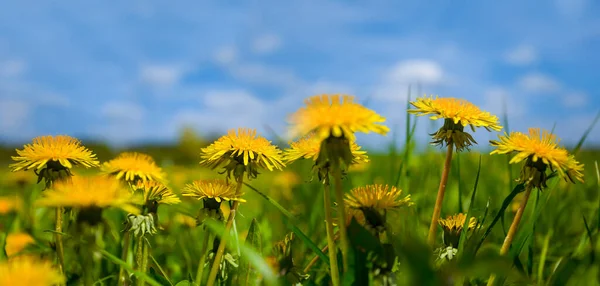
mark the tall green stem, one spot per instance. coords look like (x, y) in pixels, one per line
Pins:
(440, 196)
(339, 197)
(212, 276)
(60, 252)
(203, 249)
(334, 270)
(124, 255)
(512, 231)
(142, 258)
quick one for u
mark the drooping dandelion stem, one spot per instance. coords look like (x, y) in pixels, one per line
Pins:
(212, 276)
(513, 228)
(334, 270)
(124, 255)
(60, 252)
(437, 209)
(203, 249)
(341, 205)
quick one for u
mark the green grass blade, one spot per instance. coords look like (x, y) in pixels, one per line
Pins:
(293, 225)
(586, 134)
(518, 188)
(250, 254)
(253, 240)
(543, 257)
(129, 268)
(462, 239)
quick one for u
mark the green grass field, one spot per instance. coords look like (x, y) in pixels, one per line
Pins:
(555, 245)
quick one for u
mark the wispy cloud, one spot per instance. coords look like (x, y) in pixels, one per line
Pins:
(522, 55)
(539, 83)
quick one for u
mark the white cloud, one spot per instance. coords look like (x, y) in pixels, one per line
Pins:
(522, 55)
(221, 110)
(575, 99)
(14, 116)
(539, 83)
(267, 75)
(417, 71)
(499, 98)
(12, 68)
(571, 8)
(265, 44)
(161, 75)
(236, 101)
(122, 112)
(226, 55)
(409, 73)
(53, 99)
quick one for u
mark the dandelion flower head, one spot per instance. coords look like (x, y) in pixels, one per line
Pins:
(244, 148)
(157, 192)
(26, 270)
(217, 189)
(60, 151)
(459, 111)
(309, 147)
(133, 166)
(379, 197)
(16, 242)
(540, 146)
(90, 192)
(337, 116)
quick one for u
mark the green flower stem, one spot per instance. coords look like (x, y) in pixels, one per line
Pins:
(212, 276)
(203, 249)
(124, 255)
(142, 258)
(513, 228)
(339, 197)
(440, 196)
(334, 270)
(60, 252)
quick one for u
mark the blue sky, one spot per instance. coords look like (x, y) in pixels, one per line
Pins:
(134, 71)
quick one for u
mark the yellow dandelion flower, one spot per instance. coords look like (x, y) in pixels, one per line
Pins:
(453, 226)
(25, 270)
(184, 220)
(540, 150)
(219, 190)
(90, 192)
(309, 147)
(133, 166)
(459, 111)
(56, 152)
(455, 223)
(374, 201)
(243, 148)
(337, 116)
(19, 179)
(16, 242)
(379, 197)
(358, 215)
(10, 204)
(157, 192)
